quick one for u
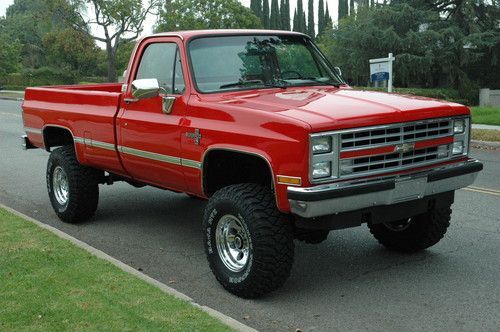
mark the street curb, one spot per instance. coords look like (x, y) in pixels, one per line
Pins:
(485, 145)
(231, 322)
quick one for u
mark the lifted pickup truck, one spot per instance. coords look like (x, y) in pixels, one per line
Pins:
(260, 124)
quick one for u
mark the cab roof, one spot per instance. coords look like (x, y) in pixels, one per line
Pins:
(188, 34)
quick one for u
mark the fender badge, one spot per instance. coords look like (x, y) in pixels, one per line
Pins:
(196, 136)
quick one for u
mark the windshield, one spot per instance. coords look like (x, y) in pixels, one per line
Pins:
(242, 62)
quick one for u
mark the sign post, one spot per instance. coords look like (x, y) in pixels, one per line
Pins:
(381, 70)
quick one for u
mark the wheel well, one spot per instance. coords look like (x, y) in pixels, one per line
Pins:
(56, 136)
(222, 168)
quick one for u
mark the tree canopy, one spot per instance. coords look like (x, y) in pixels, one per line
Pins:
(436, 43)
(205, 14)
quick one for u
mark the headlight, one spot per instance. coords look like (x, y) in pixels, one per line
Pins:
(458, 147)
(460, 137)
(442, 151)
(458, 126)
(322, 169)
(323, 157)
(321, 144)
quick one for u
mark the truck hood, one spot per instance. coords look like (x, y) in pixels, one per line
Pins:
(330, 108)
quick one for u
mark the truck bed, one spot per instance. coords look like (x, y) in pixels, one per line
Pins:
(88, 112)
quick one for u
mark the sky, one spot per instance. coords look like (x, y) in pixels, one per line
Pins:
(150, 21)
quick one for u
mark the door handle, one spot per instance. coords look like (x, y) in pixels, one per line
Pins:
(168, 103)
(130, 100)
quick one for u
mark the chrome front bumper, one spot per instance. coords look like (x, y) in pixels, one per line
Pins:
(334, 198)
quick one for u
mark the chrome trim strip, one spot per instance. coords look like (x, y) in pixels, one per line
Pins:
(140, 153)
(80, 140)
(150, 155)
(33, 130)
(102, 145)
(191, 163)
(386, 126)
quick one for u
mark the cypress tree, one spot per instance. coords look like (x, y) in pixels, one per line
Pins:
(343, 9)
(284, 16)
(295, 21)
(256, 7)
(351, 7)
(300, 16)
(321, 17)
(310, 19)
(328, 19)
(275, 20)
(265, 14)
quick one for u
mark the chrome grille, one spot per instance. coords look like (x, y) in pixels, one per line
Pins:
(395, 134)
(368, 165)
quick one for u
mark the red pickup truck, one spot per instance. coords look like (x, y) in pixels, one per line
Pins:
(262, 126)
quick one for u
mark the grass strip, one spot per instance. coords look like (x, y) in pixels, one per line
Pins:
(486, 115)
(47, 284)
(486, 135)
(12, 95)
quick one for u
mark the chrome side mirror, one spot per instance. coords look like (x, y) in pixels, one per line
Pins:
(338, 71)
(145, 88)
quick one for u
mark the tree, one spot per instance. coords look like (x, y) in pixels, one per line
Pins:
(70, 50)
(285, 14)
(275, 19)
(321, 17)
(206, 14)
(343, 9)
(256, 7)
(265, 14)
(351, 7)
(10, 54)
(328, 19)
(301, 27)
(310, 20)
(295, 21)
(119, 21)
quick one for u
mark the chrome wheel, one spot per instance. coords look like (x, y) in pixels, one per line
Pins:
(398, 226)
(60, 185)
(233, 242)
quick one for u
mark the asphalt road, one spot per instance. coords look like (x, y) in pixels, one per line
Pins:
(346, 283)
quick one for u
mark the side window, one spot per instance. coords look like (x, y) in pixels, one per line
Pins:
(162, 61)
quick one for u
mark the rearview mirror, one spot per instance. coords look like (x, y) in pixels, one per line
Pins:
(145, 88)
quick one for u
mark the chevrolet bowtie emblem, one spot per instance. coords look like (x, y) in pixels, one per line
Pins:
(405, 147)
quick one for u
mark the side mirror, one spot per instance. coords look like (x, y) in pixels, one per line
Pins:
(338, 71)
(145, 88)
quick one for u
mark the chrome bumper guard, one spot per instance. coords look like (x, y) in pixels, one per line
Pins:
(342, 197)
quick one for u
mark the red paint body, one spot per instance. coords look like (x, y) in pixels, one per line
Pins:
(273, 123)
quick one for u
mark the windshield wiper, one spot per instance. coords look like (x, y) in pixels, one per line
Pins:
(279, 83)
(241, 83)
(322, 82)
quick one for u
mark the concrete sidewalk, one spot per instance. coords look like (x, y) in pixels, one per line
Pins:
(11, 95)
(488, 127)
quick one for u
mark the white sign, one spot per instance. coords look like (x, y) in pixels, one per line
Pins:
(381, 70)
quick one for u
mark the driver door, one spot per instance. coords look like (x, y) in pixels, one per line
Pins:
(148, 134)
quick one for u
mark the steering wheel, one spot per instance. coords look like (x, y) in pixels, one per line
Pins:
(285, 73)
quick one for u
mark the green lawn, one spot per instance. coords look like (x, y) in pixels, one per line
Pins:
(48, 284)
(486, 115)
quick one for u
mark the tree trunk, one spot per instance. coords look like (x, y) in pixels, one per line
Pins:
(111, 57)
